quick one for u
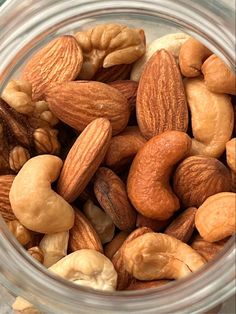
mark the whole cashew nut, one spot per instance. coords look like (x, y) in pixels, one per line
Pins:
(212, 118)
(159, 256)
(33, 201)
(87, 268)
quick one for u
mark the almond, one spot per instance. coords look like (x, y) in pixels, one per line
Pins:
(111, 194)
(161, 102)
(154, 224)
(84, 158)
(183, 226)
(59, 61)
(112, 247)
(139, 285)
(5, 206)
(83, 235)
(128, 89)
(114, 73)
(198, 177)
(79, 103)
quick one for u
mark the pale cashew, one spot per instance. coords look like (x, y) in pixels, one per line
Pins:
(22, 306)
(54, 247)
(231, 154)
(191, 57)
(216, 217)
(101, 222)
(87, 268)
(212, 118)
(33, 201)
(159, 256)
(22, 234)
(170, 42)
(18, 95)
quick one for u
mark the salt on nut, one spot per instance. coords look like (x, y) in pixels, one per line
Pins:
(87, 268)
(216, 217)
(148, 182)
(22, 234)
(33, 201)
(231, 154)
(159, 256)
(211, 132)
(191, 57)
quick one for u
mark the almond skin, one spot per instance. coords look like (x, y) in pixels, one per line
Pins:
(84, 159)
(154, 224)
(59, 61)
(114, 73)
(5, 206)
(198, 177)
(79, 103)
(128, 89)
(83, 235)
(111, 194)
(161, 102)
(112, 247)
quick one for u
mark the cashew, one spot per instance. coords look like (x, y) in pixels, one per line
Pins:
(54, 247)
(22, 306)
(170, 42)
(191, 57)
(18, 96)
(231, 154)
(212, 118)
(87, 268)
(101, 222)
(218, 76)
(33, 201)
(159, 256)
(216, 217)
(148, 182)
(20, 232)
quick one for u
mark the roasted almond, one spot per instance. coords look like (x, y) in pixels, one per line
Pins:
(114, 73)
(83, 235)
(79, 103)
(155, 224)
(128, 89)
(5, 206)
(161, 102)
(84, 158)
(112, 247)
(59, 61)
(111, 194)
(183, 226)
(140, 285)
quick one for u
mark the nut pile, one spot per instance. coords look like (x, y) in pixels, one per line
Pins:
(143, 192)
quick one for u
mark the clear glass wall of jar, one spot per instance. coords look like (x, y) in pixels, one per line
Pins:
(27, 25)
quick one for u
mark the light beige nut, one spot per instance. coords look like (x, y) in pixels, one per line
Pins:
(216, 217)
(42, 117)
(191, 57)
(87, 268)
(108, 45)
(22, 234)
(159, 256)
(46, 142)
(31, 197)
(218, 76)
(18, 95)
(18, 157)
(170, 42)
(21, 306)
(101, 222)
(231, 154)
(54, 247)
(112, 247)
(36, 253)
(210, 131)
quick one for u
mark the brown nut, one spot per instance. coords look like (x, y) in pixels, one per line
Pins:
(216, 217)
(159, 256)
(46, 142)
(112, 247)
(114, 73)
(148, 182)
(140, 285)
(5, 206)
(18, 157)
(218, 76)
(191, 57)
(183, 226)
(124, 147)
(22, 234)
(111, 194)
(154, 224)
(198, 177)
(36, 253)
(231, 154)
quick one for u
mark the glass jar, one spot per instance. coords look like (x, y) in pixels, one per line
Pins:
(27, 25)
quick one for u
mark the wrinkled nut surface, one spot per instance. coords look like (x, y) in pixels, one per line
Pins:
(218, 76)
(210, 131)
(140, 285)
(114, 245)
(87, 268)
(54, 247)
(101, 222)
(191, 57)
(36, 253)
(159, 256)
(18, 157)
(198, 177)
(107, 45)
(46, 142)
(216, 217)
(5, 206)
(231, 154)
(148, 182)
(22, 234)
(128, 89)
(31, 197)
(18, 96)
(170, 42)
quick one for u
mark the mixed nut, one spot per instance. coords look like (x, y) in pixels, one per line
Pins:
(145, 193)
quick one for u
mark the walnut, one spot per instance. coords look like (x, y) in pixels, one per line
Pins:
(45, 141)
(18, 157)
